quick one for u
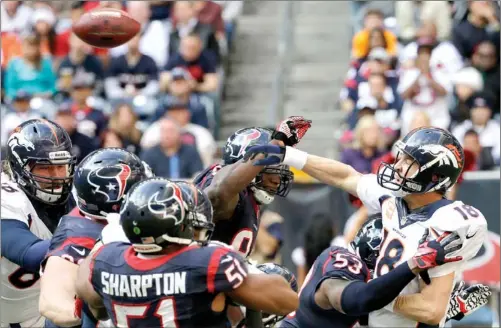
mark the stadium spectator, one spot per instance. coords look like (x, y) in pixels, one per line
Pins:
(43, 21)
(486, 59)
(80, 61)
(269, 238)
(123, 123)
(424, 89)
(378, 62)
(482, 25)
(82, 144)
(11, 48)
(231, 11)
(367, 145)
(483, 159)
(209, 12)
(19, 111)
(466, 82)
(91, 121)
(361, 41)
(187, 23)
(14, 15)
(160, 10)
(443, 53)
(132, 74)
(111, 139)
(488, 129)
(171, 158)
(411, 14)
(31, 72)
(191, 134)
(154, 35)
(199, 62)
(181, 89)
(63, 38)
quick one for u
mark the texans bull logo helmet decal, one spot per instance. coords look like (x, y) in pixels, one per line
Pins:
(243, 139)
(110, 181)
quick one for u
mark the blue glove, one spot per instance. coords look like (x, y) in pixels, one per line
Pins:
(273, 154)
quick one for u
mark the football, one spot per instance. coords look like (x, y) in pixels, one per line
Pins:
(106, 27)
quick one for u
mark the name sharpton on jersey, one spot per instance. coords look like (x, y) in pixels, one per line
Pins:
(403, 230)
(20, 288)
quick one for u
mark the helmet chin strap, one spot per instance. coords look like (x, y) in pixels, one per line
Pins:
(261, 196)
(399, 193)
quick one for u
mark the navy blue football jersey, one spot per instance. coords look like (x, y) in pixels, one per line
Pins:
(74, 238)
(241, 230)
(334, 262)
(173, 290)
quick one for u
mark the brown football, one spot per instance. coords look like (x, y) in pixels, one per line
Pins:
(106, 27)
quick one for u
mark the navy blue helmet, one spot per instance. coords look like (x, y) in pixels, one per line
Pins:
(41, 143)
(104, 177)
(155, 214)
(438, 156)
(368, 240)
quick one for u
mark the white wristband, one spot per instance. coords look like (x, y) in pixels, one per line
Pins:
(295, 157)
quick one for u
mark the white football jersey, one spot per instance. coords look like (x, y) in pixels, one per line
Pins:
(402, 233)
(20, 289)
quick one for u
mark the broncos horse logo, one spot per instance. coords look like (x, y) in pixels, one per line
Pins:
(169, 206)
(110, 181)
(443, 156)
(17, 140)
(243, 140)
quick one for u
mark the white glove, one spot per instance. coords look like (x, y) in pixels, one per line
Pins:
(465, 301)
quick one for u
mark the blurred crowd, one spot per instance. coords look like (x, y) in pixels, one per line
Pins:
(429, 63)
(157, 95)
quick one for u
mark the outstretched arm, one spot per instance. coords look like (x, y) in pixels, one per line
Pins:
(329, 171)
(21, 246)
(226, 185)
(358, 298)
(326, 170)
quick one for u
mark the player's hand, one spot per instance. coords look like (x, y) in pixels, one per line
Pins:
(273, 268)
(291, 130)
(274, 154)
(434, 253)
(465, 301)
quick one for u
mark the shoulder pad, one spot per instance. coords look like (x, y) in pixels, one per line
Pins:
(14, 202)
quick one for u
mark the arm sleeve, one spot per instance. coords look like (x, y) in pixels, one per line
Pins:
(21, 246)
(227, 271)
(360, 298)
(371, 193)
